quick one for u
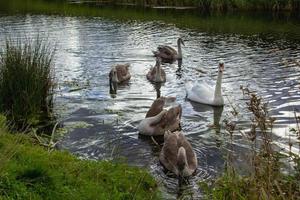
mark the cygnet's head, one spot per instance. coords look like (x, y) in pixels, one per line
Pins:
(180, 41)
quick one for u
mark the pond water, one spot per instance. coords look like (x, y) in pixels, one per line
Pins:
(102, 126)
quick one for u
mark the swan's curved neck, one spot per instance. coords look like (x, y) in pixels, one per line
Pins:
(179, 56)
(158, 77)
(218, 90)
(156, 119)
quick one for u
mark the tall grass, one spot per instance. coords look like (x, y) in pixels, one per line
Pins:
(265, 178)
(26, 82)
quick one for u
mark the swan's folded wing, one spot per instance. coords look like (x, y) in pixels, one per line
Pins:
(168, 155)
(188, 86)
(190, 154)
(203, 89)
(207, 84)
(170, 49)
(166, 50)
(200, 92)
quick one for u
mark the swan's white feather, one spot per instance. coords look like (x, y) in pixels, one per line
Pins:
(206, 93)
(201, 92)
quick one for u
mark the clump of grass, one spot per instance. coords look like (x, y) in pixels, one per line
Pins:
(29, 171)
(265, 179)
(26, 82)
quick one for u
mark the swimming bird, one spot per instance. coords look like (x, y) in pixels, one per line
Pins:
(156, 73)
(158, 124)
(118, 74)
(172, 118)
(204, 93)
(152, 126)
(177, 155)
(158, 105)
(169, 54)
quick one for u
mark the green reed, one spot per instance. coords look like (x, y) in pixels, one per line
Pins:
(265, 177)
(26, 82)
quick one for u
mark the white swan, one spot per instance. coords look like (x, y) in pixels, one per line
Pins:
(202, 92)
(177, 155)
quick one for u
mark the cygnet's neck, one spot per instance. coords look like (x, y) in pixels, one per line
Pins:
(158, 77)
(157, 118)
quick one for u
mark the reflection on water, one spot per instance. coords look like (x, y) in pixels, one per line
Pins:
(157, 87)
(88, 47)
(179, 71)
(216, 110)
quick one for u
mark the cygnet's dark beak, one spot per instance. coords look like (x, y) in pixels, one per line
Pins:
(112, 86)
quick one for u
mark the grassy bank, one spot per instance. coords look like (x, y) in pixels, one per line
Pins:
(28, 171)
(267, 176)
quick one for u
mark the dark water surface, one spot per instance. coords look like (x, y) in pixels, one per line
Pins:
(101, 126)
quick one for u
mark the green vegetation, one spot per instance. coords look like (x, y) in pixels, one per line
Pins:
(26, 82)
(208, 5)
(279, 25)
(267, 177)
(220, 5)
(28, 171)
